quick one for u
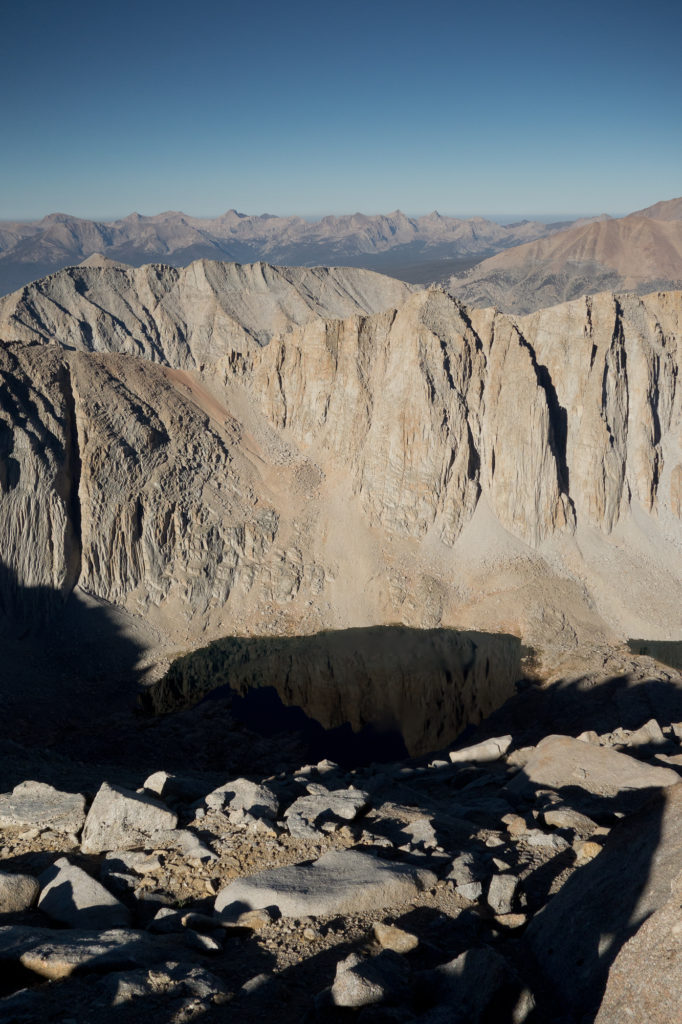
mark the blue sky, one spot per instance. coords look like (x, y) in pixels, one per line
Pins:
(317, 108)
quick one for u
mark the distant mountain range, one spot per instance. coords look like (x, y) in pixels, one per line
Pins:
(415, 249)
(641, 253)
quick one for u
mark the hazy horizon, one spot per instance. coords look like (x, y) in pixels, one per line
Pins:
(497, 218)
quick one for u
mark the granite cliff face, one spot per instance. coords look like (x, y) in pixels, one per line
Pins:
(188, 317)
(425, 464)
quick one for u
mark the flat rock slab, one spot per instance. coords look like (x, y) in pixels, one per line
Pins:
(566, 764)
(43, 806)
(58, 954)
(340, 882)
(69, 895)
(578, 935)
(120, 819)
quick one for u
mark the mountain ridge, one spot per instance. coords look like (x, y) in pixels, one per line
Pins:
(29, 250)
(641, 252)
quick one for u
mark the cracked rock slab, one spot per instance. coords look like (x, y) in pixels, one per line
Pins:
(43, 806)
(340, 882)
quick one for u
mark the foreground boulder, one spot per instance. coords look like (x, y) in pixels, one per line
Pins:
(580, 932)
(69, 895)
(645, 981)
(42, 806)
(366, 981)
(17, 892)
(340, 882)
(120, 819)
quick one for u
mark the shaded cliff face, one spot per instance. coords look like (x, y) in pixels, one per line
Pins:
(426, 464)
(425, 685)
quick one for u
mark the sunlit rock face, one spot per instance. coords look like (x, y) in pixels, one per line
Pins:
(412, 462)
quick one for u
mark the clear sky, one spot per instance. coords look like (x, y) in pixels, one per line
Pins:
(332, 107)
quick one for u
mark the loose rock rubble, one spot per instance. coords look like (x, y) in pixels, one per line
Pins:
(499, 881)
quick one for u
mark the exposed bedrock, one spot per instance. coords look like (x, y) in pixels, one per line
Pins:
(423, 464)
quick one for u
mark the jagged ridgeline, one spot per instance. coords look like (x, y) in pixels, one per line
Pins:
(232, 450)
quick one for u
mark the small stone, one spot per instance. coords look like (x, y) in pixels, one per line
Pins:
(488, 750)
(200, 922)
(587, 851)
(130, 860)
(516, 825)
(245, 803)
(565, 817)
(370, 981)
(511, 921)
(254, 920)
(256, 983)
(324, 810)
(422, 834)
(390, 937)
(519, 758)
(589, 736)
(649, 734)
(536, 837)
(470, 891)
(501, 893)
